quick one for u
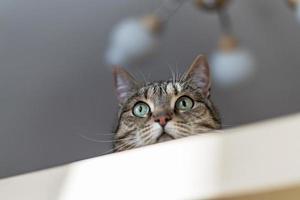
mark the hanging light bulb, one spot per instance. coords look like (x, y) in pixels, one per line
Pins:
(295, 5)
(231, 64)
(133, 39)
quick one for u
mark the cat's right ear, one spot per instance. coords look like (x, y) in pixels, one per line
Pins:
(198, 75)
(125, 84)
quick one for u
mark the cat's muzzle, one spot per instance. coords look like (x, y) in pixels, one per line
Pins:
(164, 137)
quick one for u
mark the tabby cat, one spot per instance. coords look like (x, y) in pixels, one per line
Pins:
(165, 110)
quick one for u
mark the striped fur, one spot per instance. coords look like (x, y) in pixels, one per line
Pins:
(133, 132)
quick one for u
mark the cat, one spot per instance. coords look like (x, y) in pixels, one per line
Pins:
(160, 111)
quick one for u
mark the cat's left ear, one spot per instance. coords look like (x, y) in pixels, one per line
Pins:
(125, 84)
(198, 75)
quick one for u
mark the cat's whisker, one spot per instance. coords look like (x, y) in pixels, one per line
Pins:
(97, 133)
(144, 135)
(115, 149)
(143, 76)
(182, 122)
(146, 139)
(101, 141)
(227, 125)
(102, 133)
(119, 147)
(172, 73)
(144, 130)
(127, 145)
(109, 151)
(151, 138)
(184, 134)
(203, 130)
(182, 125)
(179, 131)
(177, 74)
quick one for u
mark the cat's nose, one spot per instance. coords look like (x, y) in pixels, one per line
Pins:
(162, 120)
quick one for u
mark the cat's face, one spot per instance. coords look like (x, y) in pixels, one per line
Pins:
(162, 111)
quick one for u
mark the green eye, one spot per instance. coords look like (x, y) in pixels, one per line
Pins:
(141, 109)
(184, 103)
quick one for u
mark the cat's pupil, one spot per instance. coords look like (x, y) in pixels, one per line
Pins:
(140, 108)
(184, 103)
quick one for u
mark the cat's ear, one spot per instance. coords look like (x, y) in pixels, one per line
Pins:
(198, 75)
(125, 84)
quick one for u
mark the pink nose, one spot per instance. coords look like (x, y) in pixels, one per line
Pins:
(162, 120)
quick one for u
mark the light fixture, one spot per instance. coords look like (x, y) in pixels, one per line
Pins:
(231, 64)
(133, 39)
(295, 6)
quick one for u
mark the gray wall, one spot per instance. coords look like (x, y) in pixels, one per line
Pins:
(55, 86)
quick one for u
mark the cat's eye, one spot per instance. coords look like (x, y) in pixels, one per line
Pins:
(184, 103)
(141, 109)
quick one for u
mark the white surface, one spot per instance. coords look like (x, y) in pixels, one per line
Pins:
(247, 159)
(45, 185)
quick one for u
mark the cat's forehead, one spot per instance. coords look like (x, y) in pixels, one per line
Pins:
(161, 89)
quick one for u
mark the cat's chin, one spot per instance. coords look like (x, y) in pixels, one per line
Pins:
(164, 137)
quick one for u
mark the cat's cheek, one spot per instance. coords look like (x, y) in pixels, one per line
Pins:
(156, 130)
(170, 129)
(184, 116)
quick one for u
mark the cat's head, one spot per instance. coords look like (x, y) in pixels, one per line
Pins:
(159, 111)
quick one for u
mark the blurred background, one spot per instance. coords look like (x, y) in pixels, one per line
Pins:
(55, 86)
